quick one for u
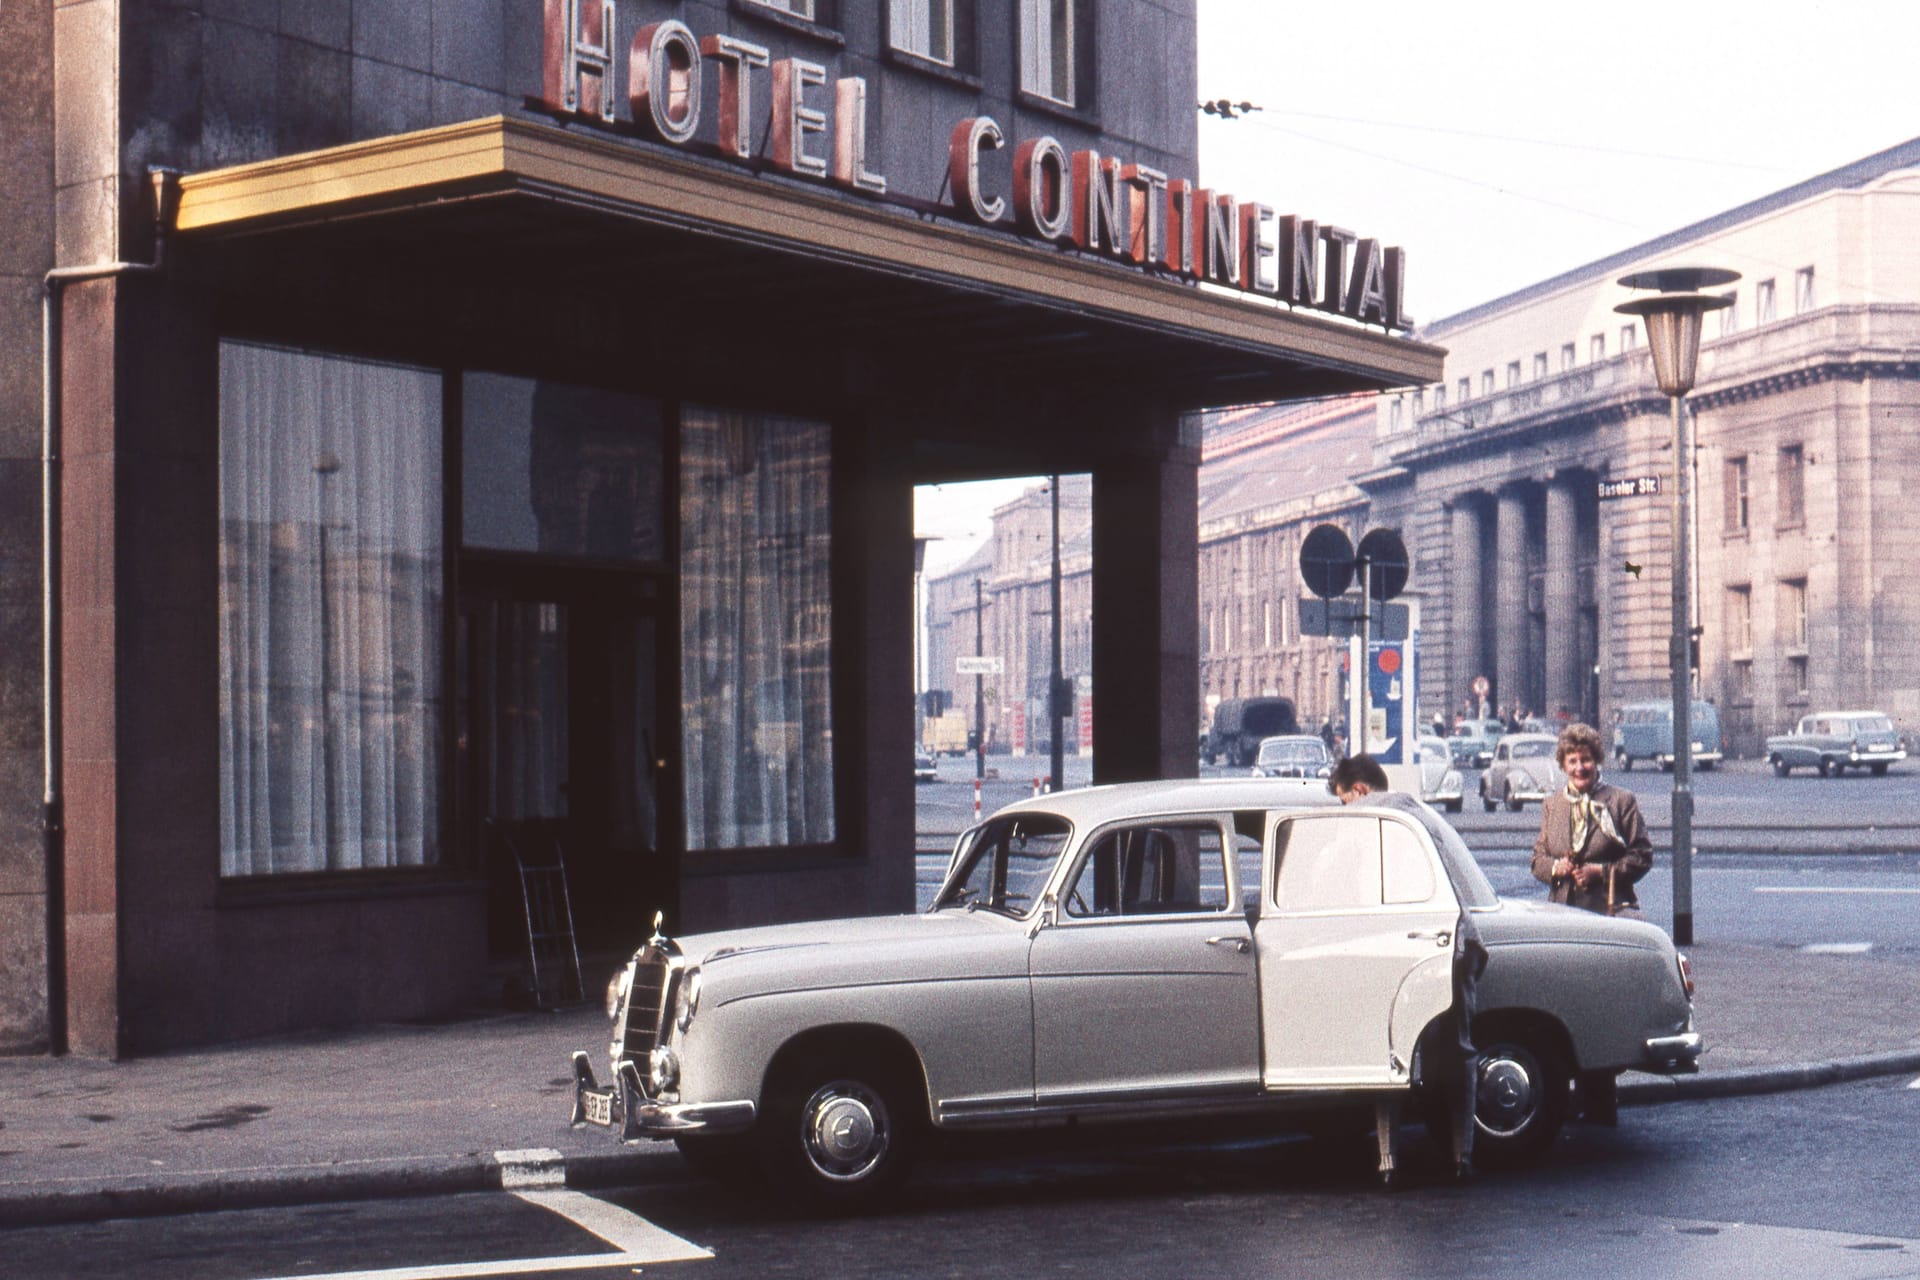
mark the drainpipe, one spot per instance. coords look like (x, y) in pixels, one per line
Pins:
(53, 833)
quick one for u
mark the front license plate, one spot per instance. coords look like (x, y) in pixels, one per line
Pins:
(598, 1105)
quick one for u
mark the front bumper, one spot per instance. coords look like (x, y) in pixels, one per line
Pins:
(624, 1105)
(1676, 1055)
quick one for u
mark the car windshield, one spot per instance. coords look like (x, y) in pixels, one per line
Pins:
(1004, 863)
(1529, 750)
(1308, 752)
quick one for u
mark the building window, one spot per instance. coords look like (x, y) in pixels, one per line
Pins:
(1803, 291)
(1793, 615)
(1266, 622)
(331, 603)
(1730, 314)
(1046, 49)
(1740, 620)
(1764, 306)
(1740, 683)
(1797, 678)
(1736, 486)
(1486, 382)
(802, 9)
(1439, 396)
(1566, 356)
(1629, 337)
(1396, 413)
(1466, 389)
(1513, 373)
(1597, 348)
(1793, 492)
(1539, 365)
(755, 634)
(923, 28)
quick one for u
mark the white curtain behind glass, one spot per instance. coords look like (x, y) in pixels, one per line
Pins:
(330, 612)
(755, 614)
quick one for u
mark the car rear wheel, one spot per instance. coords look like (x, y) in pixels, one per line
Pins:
(839, 1133)
(1514, 803)
(1522, 1098)
(1487, 800)
(1781, 768)
(1624, 760)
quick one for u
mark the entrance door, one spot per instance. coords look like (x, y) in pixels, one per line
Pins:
(560, 739)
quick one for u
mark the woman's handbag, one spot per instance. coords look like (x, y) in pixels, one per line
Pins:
(1619, 906)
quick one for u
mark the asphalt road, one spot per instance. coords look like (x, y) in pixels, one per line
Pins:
(1814, 1183)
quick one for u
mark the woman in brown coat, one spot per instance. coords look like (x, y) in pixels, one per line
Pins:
(1593, 842)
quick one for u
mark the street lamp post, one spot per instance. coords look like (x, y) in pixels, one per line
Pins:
(1672, 317)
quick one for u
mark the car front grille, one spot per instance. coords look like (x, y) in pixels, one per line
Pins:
(645, 1010)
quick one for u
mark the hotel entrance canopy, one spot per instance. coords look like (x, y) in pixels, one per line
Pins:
(720, 268)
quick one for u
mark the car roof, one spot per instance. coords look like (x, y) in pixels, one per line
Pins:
(1529, 737)
(1314, 738)
(1089, 806)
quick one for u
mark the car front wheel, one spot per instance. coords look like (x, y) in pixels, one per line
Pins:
(1781, 768)
(1879, 768)
(1514, 803)
(1521, 1101)
(1830, 768)
(1488, 801)
(1454, 806)
(840, 1134)
(1625, 761)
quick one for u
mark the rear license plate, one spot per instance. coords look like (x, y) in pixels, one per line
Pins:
(597, 1105)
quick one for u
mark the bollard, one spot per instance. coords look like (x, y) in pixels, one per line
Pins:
(1036, 788)
(976, 800)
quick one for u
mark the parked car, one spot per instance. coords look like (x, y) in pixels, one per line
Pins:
(1835, 741)
(925, 767)
(1440, 782)
(1293, 755)
(1472, 742)
(1240, 725)
(1522, 769)
(1161, 951)
(1644, 731)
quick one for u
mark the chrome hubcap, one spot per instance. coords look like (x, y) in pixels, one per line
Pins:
(1509, 1093)
(845, 1130)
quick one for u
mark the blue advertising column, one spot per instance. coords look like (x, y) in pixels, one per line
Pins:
(1393, 729)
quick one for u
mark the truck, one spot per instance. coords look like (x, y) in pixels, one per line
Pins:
(946, 735)
(1834, 741)
(1644, 731)
(1240, 724)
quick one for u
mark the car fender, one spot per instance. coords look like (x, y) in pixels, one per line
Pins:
(1424, 995)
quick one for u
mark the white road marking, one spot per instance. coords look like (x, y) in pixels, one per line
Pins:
(1836, 948)
(1915, 1084)
(1830, 888)
(639, 1242)
(532, 1167)
(1754, 1249)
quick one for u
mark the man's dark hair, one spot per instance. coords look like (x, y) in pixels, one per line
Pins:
(1360, 768)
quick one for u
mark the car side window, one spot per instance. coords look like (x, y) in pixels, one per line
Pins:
(1152, 869)
(1406, 871)
(1329, 863)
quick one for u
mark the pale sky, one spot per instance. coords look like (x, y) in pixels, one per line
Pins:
(1505, 141)
(1501, 142)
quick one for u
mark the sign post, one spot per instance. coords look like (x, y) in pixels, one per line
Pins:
(1329, 563)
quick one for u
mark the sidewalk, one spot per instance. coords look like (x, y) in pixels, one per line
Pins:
(417, 1109)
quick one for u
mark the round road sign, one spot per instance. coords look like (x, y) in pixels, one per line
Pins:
(1480, 687)
(1326, 560)
(1383, 549)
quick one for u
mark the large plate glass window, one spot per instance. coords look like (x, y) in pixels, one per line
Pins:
(923, 28)
(330, 606)
(756, 609)
(1046, 49)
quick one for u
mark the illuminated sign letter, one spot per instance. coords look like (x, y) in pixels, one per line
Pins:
(663, 81)
(850, 137)
(1099, 213)
(736, 59)
(1218, 254)
(1397, 317)
(1180, 234)
(578, 72)
(1367, 295)
(1042, 185)
(1148, 202)
(793, 119)
(1334, 284)
(970, 137)
(1257, 248)
(1299, 260)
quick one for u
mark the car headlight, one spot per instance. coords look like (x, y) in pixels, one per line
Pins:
(617, 987)
(686, 999)
(663, 1069)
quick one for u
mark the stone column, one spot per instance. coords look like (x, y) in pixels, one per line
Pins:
(1464, 576)
(1562, 598)
(1510, 596)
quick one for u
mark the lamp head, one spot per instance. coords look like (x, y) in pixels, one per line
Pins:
(1673, 322)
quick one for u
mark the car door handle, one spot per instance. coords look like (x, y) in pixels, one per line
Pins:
(1238, 944)
(1441, 937)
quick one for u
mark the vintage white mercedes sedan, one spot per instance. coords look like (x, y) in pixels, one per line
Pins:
(1148, 951)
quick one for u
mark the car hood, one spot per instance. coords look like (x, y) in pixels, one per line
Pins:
(858, 951)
